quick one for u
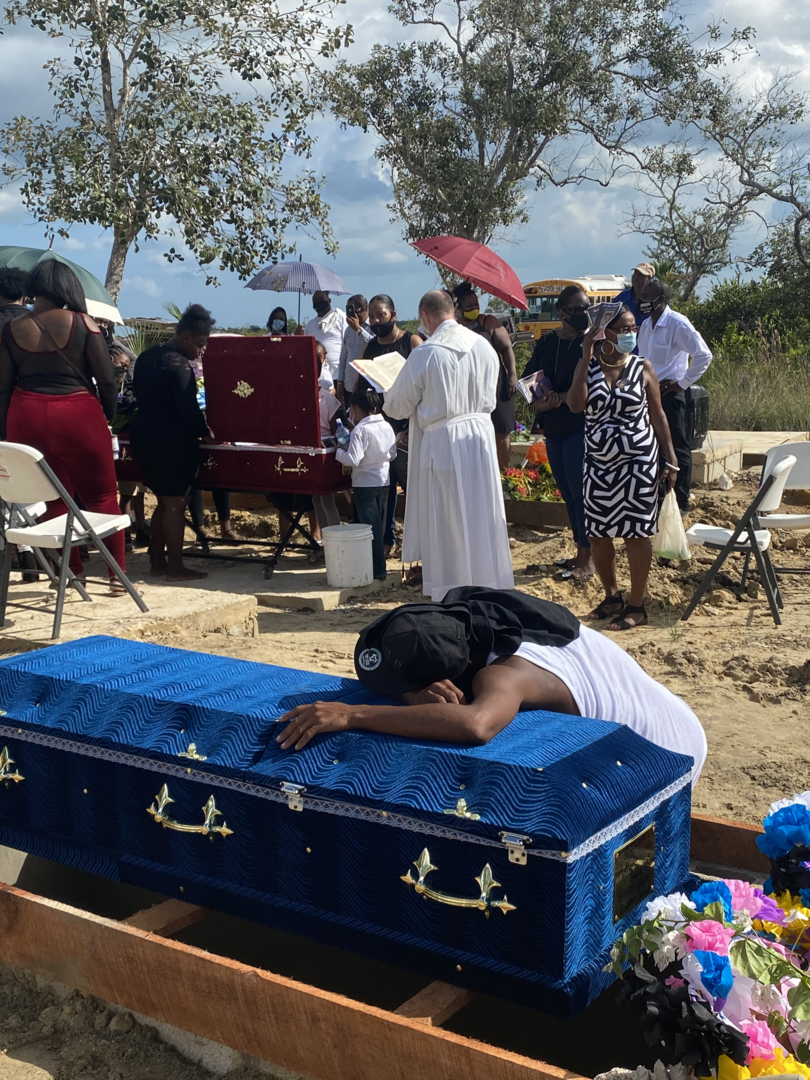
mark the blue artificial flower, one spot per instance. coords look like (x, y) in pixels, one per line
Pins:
(717, 975)
(805, 895)
(784, 830)
(709, 893)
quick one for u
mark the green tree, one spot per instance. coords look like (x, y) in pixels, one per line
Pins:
(690, 214)
(510, 91)
(178, 117)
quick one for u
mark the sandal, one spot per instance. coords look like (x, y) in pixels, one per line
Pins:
(566, 564)
(610, 606)
(622, 623)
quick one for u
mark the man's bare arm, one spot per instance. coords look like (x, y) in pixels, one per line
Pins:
(495, 706)
(438, 713)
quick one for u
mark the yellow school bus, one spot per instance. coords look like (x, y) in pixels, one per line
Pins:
(542, 296)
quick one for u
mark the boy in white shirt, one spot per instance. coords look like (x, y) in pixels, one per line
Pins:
(372, 445)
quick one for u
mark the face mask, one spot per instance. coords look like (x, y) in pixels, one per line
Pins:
(580, 321)
(277, 324)
(626, 342)
(383, 329)
(472, 314)
(321, 307)
(646, 307)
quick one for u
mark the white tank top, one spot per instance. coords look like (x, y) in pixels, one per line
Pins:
(607, 684)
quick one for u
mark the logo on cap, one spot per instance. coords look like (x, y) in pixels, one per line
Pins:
(370, 659)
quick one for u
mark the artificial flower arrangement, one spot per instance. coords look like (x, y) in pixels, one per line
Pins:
(722, 975)
(530, 485)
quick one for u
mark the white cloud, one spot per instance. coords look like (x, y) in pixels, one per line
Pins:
(144, 285)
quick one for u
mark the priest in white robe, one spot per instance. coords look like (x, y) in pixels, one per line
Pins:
(455, 523)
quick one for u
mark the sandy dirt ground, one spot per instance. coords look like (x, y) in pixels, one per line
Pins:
(747, 680)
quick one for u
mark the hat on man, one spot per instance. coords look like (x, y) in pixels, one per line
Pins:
(412, 647)
(645, 268)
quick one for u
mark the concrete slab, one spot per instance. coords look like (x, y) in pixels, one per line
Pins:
(227, 600)
(290, 587)
(716, 456)
(756, 444)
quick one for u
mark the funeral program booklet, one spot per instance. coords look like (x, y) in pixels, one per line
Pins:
(381, 372)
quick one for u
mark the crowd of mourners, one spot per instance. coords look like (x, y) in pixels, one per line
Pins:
(610, 401)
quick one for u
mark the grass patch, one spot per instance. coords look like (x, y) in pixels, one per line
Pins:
(755, 385)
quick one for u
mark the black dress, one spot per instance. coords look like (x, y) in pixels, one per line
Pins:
(168, 425)
(503, 415)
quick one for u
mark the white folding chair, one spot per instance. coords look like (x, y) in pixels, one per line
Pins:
(749, 538)
(26, 477)
(799, 480)
(27, 515)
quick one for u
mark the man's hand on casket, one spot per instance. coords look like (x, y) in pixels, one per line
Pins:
(438, 691)
(314, 719)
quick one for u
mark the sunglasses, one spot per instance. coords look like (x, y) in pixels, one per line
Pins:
(576, 310)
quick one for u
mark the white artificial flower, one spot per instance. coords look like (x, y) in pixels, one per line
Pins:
(692, 971)
(780, 804)
(672, 947)
(667, 907)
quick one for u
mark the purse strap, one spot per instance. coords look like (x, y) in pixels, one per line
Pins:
(71, 363)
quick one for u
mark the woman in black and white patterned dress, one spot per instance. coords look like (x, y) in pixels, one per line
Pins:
(624, 424)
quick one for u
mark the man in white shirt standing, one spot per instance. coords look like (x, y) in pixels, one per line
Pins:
(328, 326)
(454, 516)
(668, 339)
(355, 338)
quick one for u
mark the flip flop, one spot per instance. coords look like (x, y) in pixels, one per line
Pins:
(566, 563)
(573, 575)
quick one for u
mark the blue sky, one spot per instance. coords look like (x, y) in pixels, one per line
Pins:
(572, 231)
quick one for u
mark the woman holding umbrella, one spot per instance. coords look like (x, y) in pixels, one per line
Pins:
(490, 327)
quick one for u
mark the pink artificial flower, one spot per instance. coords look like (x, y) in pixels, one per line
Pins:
(673, 980)
(761, 1040)
(709, 935)
(743, 897)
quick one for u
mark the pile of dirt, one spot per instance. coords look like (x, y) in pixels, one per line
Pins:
(57, 1033)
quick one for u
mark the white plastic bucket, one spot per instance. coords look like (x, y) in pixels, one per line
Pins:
(347, 550)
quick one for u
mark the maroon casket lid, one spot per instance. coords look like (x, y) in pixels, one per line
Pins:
(262, 390)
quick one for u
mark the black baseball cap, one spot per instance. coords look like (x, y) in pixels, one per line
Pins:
(413, 646)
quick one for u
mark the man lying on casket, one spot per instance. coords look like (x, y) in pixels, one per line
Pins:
(467, 666)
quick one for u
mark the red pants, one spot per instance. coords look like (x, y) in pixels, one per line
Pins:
(72, 434)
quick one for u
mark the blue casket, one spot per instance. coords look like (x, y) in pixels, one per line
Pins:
(509, 868)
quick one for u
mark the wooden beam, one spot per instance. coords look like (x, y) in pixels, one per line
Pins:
(302, 1028)
(727, 843)
(167, 918)
(436, 1003)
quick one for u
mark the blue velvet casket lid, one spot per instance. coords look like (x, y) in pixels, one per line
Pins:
(558, 779)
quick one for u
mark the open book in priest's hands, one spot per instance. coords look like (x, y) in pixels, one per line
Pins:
(382, 371)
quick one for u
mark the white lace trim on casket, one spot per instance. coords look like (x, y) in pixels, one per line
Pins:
(363, 813)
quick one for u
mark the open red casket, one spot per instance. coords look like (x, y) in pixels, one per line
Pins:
(261, 397)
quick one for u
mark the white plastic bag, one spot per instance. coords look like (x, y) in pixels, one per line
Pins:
(670, 541)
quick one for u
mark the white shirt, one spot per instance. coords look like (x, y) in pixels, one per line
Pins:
(607, 684)
(354, 344)
(668, 346)
(328, 405)
(329, 329)
(371, 447)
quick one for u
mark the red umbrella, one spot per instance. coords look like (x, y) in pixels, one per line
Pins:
(476, 263)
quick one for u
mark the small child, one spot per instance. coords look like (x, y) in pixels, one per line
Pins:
(326, 511)
(371, 447)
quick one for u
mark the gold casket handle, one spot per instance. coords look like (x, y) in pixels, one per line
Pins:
(208, 828)
(5, 768)
(482, 902)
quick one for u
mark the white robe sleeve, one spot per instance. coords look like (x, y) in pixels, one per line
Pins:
(406, 393)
